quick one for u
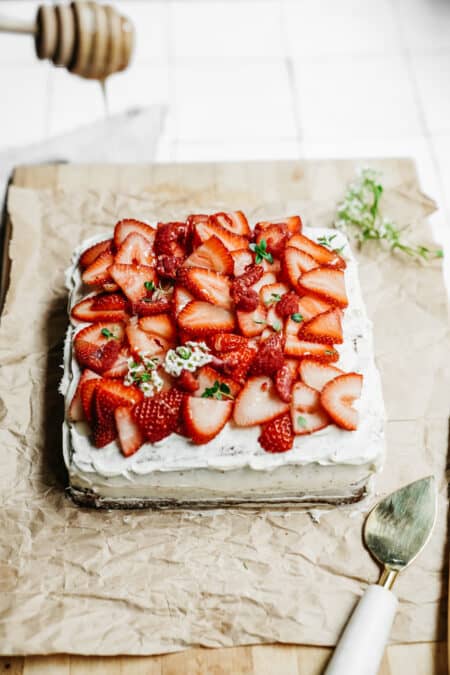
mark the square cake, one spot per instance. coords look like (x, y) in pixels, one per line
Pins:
(209, 363)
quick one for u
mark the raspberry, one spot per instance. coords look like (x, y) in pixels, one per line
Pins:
(170, 239)
(270, 357)
(244, 297)
(252, 274)
(287, 305)
(167, 265)
(277, 435)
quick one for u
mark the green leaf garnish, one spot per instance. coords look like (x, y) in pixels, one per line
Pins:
(259, 322)
(277, 326)
(107, 334)
(261, 252)
(302, 422)
(149, 285)
(219, 390)
(359, 212)
(184, 352)
(297, 317)
(274, 297)
(327, 243)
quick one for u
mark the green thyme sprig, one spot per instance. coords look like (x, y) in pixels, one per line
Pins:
(107, 334)
(274, 297)
(359, 212)
(261, 252)
(219, 390)
(327, 242)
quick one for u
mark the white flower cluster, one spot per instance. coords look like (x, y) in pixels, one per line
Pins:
(144, 375)
(189, 356)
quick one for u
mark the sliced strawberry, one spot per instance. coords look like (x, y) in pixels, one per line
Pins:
(207, 285)
(187, 382)
(325, 327)
(92, 253)
(150, 307)
(159, 415)
(141, 343)
(338, 396)
(269, 358)
(181, 298)
(317, 375)
(120, 366)
(109, 395)
(131, 437)
(135, 250)
(202, 318)
(307, 413)
(98, 271)
(276, 237)
(266, 279)
(308, 307)
(293, 264)
(86, 310)
(273, 267)
(125, 227)
(285, 379)
(207, 377)
(87, 396)
(292, 223)
(241, 259)
(204, 231)
(252, 323)
(212, 255)
(234, 221)
(171, 239)
(132, 279)
(258, 402)
(272, 293)
(299, 348)
(326, 282)
(274, 320)
(277, 435)
(204, 418)
(225, 342)
(76, 413)
(159, 325)
(111, 301)
(323, 255)
(97, 346)
(236, 363)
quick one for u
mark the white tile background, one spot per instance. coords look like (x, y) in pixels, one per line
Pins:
(254, 79)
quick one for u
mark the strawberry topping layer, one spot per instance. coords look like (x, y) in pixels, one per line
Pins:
(190, 326)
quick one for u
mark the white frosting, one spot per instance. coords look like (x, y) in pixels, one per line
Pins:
(237, 448)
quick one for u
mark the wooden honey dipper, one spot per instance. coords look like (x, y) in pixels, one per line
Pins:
(89, 39)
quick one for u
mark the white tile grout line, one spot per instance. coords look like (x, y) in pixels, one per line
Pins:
(406, 54)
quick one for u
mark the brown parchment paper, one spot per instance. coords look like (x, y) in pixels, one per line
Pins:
(81, 581)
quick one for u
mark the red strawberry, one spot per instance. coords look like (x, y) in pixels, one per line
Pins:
(241, 259)
(159, 415)
(309, 307)
(187, 382)
(288, 305)
(132, 280)
(277, 435)
(212, 255)
(204, 418)
(317, 375)
(285, 379)
(98, 271)
(196, 218)
(109, 395)
(321, 254)
(204, 231)
(266, 279)
(272, 293)
(181, 298)
(207, 377)
(252, 323)
(88, 310)
(171, 239)
(276, 237)
(130, 436)
(159, 325)
(150, 307)
(234, 221)
(207, 285)
(97, 346)
(143, 343)
(120, 366)
(325, 327)
(338, 396)
(307, 413)
(236, 363)
(298, 348)
(75, 412)
(293, 264)
(292, 223)
(328, 283)
(90, 254)
(258, 402)
(225, 342)
(202, 318)
(135, 250)
(87, 396)
(111, 301)
(125, 227)
(269, 358)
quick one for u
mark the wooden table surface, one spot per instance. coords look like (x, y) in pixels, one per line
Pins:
(411, 659)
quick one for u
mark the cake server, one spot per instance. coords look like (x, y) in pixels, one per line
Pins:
(395, 532)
